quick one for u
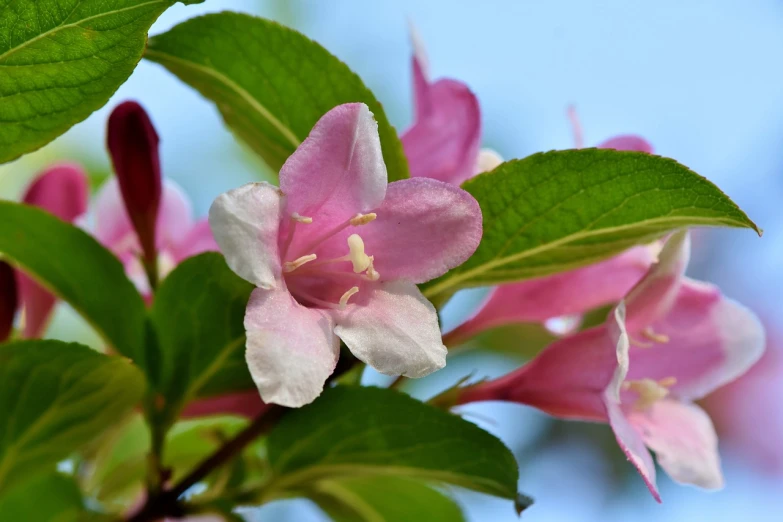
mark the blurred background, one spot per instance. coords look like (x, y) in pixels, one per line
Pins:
(698, 79)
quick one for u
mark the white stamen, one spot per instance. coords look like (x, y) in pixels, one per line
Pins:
(301, 219)
(290, 266)
(372, 274)
(347, 295)
(362, 219)
(359, 259)
(650, 334)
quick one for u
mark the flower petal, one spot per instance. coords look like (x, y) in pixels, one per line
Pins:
(175, 216)
(63, 191)
(291, 350)
(245, 404)
(245, 222)
(338, 171)
(632, 444)
(712, 340)
(654, 295)
(394, 329)
(567, 380)
(567, 293)
(627, 142)
(444, 141)
(197, 240)
(424, 228)
(113, 227)
(684, 442)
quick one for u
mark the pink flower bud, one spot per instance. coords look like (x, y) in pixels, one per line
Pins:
(8, 300)
(133, 145)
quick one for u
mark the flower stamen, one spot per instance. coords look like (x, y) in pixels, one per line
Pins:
(347, 295)
(649, 391)
(650, 334)
(357, 220)
(290, 266)
(296, 219)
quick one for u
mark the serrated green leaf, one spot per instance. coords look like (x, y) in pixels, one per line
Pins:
(560, 210)
(383, 499)
(48, 498)
(56, 397)
(354, 431)
(198, 315)
(270, 83)
(76, 268)
(60, 60)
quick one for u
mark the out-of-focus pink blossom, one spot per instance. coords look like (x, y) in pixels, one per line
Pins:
(748, 413)
(61, 190)
(336, 252)
(671, 341)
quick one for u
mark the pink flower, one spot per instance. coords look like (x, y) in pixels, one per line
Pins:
(443, 143)
(671, 341)
(336, 252)
(61, 190)
(177, 235)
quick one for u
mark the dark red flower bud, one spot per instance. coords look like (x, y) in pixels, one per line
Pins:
(8, 300)
(133, 145)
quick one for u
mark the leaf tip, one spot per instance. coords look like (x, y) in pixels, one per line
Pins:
(522, 502)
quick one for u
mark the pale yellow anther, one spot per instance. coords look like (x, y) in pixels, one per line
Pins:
(301, 219)
(649, 391)
(358, 258)
(655, 250)
(372, 274)
(363, 219)
(347, 295)
(650, 334)
(290, 266)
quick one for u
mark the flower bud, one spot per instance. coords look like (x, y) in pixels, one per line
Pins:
(133, 145)
(8, 300)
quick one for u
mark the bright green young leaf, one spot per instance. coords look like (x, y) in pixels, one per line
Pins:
(555, 211)
(75, 267)
(359, 431)
(57, 397)
(198, 315)
(51, 497)
(383, 499)
(60, 60)
(270, 83)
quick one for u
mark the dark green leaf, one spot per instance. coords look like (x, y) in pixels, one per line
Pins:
(62, 59)
(383, 499)
(198, 315)
(48, 498)
(75, 267)
(270, 83)
(55, 398)
(357, 431)
(556, 211)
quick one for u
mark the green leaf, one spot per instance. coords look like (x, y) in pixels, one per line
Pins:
(270, 83)
(62, 59)
(56, 397)
(76, 268)
(51, 498)
(199, 315)
(358, 431)
(383, 499)
(556, 211)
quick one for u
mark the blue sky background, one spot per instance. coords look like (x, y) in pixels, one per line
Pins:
(701, 80)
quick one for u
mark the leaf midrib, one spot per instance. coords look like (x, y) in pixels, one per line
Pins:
(496, 262)
(231, 84)
(77, 23)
